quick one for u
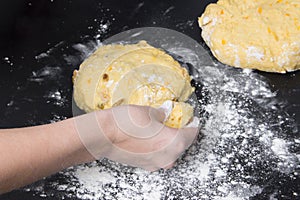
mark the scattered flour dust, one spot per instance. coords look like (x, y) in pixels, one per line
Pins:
(248, 148)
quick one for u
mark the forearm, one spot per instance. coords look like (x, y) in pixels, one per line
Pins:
(29, 154)
(131, 135)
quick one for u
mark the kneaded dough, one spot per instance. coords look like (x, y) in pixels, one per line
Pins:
(263, 35)
(133, 74)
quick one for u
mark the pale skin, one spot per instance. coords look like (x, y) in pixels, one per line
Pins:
(29, 154)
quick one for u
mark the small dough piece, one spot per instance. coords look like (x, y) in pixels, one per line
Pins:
(132, 74)
(256, 34)
(180, 115)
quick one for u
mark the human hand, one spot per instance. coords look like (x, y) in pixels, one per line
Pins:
(134, 135)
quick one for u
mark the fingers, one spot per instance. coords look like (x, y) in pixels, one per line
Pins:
(153, 169)
(138, 121)
(169, 166)
(166, 108)
(158, 114)
(190, 134)
(142, 140)
(166, 153)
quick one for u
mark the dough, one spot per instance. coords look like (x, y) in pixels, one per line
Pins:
(180, 115)
(133, 74)
(263, 35)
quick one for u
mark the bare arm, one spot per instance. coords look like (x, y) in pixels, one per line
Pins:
(128, 134)
(29, 154)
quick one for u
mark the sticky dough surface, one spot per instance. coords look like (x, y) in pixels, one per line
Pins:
(133, 74)
(263, 35)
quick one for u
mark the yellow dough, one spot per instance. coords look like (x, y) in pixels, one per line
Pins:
(257, 34)
(180, 116)
(133, 74)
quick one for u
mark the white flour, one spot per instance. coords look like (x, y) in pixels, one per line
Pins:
(242, 151)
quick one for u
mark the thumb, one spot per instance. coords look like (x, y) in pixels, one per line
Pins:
(158, 114)
(165, 109)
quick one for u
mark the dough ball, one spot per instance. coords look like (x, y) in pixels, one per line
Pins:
(263, 35)
(133, 74)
